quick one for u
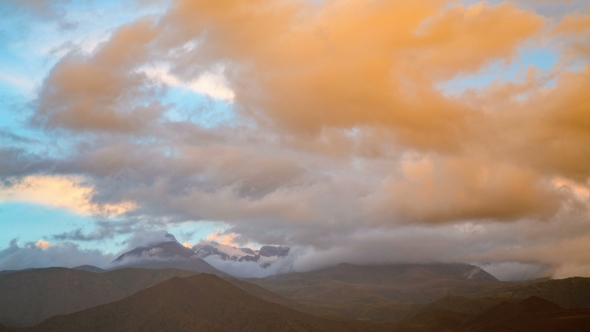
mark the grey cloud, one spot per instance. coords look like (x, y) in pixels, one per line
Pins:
(548, 8)
(144, 238)
(105, 229)
(78, 235)
(19, 162)
(7, 135)
(251, 269)
(515, 271)
(65, 254)
(42, 9)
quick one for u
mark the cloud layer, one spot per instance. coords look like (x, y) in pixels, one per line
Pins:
(340, 139)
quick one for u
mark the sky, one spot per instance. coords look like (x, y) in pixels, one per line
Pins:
(360, 131)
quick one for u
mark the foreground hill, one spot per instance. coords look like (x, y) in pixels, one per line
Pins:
(568, 293)
(262, 293)
(198, 303)
(208, 303)
(532, 314)
(27, 297)
(393, 292)
(378, 293)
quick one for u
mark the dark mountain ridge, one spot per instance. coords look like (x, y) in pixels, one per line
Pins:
(569, 292)
(348, 283)
(198, 303)
(27, 297)
(531, 314)
(89, 268)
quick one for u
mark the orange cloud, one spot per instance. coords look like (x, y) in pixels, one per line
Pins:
(98, 91)
(223, 238)
(336, 91)
(574, 24)
(65, 192)
(41, 244)
(453, 189)
(346, 64)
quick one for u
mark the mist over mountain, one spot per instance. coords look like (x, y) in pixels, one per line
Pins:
(264, 256)
(235, 261)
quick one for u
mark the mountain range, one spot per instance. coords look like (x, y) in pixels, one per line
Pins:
(27, 297)
(172, 254)
(204, 302)
(199, 303)
(143, 293)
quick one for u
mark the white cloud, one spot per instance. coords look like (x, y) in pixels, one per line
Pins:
(212, 83)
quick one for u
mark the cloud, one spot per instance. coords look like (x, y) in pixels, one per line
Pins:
(100, 91)
(66, 192)
(341, 142)
(439, 189)
(43, 9)
(7, 135)
(350, 63)
(252, 269)
(16, 257)
(211, 84)
(105, 229)
(514, 271)
(223, 238)
(146, 238)
(41, 244)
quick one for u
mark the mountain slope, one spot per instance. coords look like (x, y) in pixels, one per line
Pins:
(372, 284)
(170, 249)
(199, 303)
(404, 273)
(434, 319)
(568, 293)
(464, 305)
(262, 293)
(27, 297)
(531, 314)
(89, 268)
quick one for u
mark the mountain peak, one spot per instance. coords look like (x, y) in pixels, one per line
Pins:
(264, 257)
(169, 249)
(170, 237)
